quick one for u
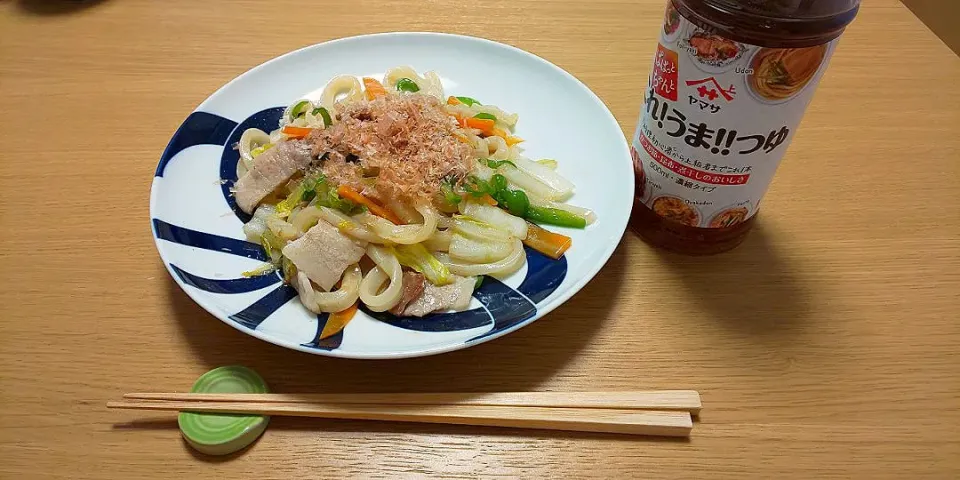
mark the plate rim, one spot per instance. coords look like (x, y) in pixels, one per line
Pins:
(546, 308)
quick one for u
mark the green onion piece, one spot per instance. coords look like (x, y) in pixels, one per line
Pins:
(497, 164)
(407, 85)
(346, 206)
(308, 187)
(325, 194)
(485, 116)
(554, 216)
(449, 195)
(300, 108)
(327, 121)
(315, 187)
(468, 101)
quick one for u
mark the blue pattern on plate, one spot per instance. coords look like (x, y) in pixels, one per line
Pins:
(200, 128)
(232, 285)
(507, 306)
(207, 241)
(266, 120)
(435, 322)
(252, 316)
(503, 305)
(330, 343)
(544, 275)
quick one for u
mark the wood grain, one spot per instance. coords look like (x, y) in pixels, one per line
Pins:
(824, 347)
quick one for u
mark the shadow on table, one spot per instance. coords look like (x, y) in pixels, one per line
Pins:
(517, 362)
(148, 424)
(203, 457)
(55, 7)
(321, 426)
(752, 289)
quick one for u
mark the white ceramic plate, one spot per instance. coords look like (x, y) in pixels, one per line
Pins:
(197, 227)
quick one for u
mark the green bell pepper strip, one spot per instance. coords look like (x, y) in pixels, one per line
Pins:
(299, 108)
(468, 101)
(407, 85)
(327, 121)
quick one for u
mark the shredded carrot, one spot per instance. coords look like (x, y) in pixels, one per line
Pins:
(510, 139)
(356, 197)
(373, 88)
(296, 132)
(546, 242)
(453, 101)
(460, 120)
(486, 198)
(337, 321)
(485, 125)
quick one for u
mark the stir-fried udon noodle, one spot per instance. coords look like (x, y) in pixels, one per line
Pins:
(392, 195)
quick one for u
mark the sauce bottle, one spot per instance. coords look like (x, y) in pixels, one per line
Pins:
(729, 85)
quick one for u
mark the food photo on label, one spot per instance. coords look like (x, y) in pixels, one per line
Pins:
(729, 217)
(713, 50)
(671, 21)
(780, 73)
(676, 209)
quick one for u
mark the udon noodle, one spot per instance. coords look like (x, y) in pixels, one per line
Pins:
(395, 196)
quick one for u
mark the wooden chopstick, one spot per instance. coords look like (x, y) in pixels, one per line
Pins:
(671, 400)
(634, 422)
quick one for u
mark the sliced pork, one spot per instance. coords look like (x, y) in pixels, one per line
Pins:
(270, 170)
(455, 296)
(323, 253)
(413, 285)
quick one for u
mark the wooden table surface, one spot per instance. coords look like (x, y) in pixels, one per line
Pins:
(825, 346)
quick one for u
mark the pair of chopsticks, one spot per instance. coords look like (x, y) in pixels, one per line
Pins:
(660, 413)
